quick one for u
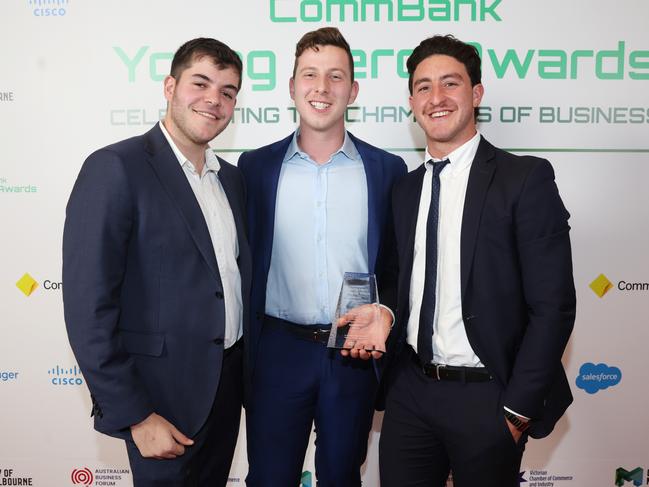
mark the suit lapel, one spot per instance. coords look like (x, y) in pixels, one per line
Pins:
(374, 177)
(482, 171)
(269, 184)
(173, 180)
(234, 199)
(409, 214)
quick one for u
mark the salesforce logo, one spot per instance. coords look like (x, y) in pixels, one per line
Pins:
(593, 378)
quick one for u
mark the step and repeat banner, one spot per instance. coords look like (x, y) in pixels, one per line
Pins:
(565, 80)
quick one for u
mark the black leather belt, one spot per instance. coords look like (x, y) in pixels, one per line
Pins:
(312, 333)
(451, 372)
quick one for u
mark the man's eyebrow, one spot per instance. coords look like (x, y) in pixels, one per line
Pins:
(201, 76)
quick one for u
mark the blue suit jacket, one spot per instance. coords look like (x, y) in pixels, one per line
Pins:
(261, 170)
(518, 295)
(142, 293)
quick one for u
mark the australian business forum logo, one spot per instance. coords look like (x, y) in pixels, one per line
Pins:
(593, 378)
(101, 476)
(48, 8)
(634, 477)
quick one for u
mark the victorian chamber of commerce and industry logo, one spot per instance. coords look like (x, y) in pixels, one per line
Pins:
(48, 8)
(593, 378)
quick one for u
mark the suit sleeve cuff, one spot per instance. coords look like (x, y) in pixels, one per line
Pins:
(517, 414)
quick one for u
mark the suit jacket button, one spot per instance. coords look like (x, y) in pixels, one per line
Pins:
(218, 341)
(218, 294)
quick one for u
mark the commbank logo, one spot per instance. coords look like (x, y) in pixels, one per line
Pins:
(48, 8)
(635, 476)
(305, 480)
(593, 378)
(66, 377)
(601, 285)
(82, 476)
(27, 284)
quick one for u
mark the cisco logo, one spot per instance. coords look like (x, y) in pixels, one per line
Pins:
(48, 8)
(593, 378)
(66, 377)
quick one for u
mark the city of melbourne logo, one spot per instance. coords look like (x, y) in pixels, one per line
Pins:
(634, 476)
(48, 8)
(82, 476)
(593, 378)
(66, 377)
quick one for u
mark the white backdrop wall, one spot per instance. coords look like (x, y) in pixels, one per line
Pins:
(566, 80)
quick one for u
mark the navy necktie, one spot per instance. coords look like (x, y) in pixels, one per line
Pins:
(425, 334)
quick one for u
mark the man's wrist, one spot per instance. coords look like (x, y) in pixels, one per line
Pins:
(383, 306)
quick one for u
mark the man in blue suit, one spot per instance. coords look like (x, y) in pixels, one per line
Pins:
(318, 206)
(486, 300)
(156, 272)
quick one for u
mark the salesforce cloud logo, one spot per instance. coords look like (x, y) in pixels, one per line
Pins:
(593, 378)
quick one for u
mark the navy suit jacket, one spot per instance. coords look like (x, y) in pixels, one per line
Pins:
(142, 293)
(518, 295)
(261, 170)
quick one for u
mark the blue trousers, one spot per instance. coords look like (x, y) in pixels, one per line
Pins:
(297, 383)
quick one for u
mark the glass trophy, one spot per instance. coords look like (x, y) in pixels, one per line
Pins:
(358, 289)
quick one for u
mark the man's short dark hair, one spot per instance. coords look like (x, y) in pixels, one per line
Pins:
(447, 45)
(326, 36)
(221, 55)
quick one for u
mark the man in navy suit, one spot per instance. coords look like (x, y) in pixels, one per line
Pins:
(486, 300)
(156, 272)
(318, 206)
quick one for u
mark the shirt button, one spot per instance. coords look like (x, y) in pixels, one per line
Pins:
(218, 294)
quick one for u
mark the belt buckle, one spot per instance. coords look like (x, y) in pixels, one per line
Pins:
(437, 367)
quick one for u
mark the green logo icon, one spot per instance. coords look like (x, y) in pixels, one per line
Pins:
(306, 481)
(635, 476)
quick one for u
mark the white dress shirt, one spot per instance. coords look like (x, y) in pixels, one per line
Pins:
(450, 343)
(218, 216)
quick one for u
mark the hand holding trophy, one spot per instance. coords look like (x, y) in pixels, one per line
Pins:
(361, 327)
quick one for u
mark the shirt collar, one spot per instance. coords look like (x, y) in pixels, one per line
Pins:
(460, 158)
(211, 161)
(348, 149)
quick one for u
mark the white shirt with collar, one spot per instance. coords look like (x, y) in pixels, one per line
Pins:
(218, 216)
(450, 343)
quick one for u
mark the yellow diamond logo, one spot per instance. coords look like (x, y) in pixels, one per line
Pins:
(27, 284)
(601, 285)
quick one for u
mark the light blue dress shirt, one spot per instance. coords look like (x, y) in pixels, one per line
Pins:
(320, 233)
